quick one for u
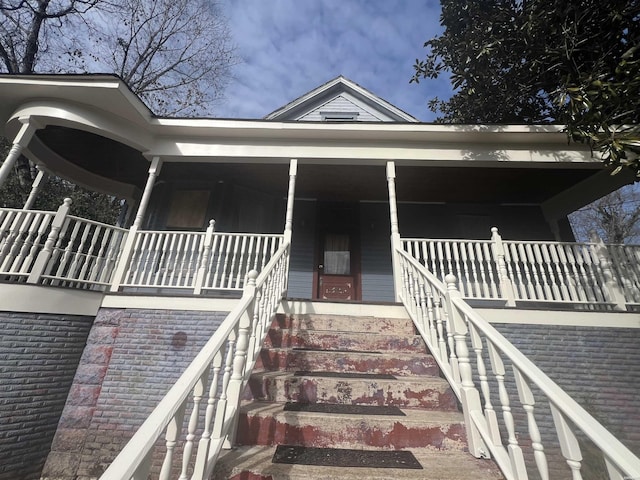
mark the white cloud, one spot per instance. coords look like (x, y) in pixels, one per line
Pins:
(289, 47)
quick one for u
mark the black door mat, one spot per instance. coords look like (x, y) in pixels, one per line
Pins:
(334, 457)
(370, 376)
(332, 350)
(341, 408)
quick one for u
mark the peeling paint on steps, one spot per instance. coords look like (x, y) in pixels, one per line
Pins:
(411, 391)
(268, 424)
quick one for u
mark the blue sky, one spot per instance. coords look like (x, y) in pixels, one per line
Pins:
(289, 47)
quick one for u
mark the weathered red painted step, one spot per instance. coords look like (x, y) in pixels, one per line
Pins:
(254, 463)
(346, 323)
(268, 424)
(331, 340)
(409, 392)
(396, 363)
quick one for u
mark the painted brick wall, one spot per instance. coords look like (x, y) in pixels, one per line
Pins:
(132, 358)
(598, 367)
(39, 355)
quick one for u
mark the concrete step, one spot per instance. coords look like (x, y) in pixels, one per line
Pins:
(254, 463)
(336, 340)
(265, 423)
(346, 323)
(412, 391)
(396, 363)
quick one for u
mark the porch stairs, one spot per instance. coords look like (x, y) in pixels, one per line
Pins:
(331, 381)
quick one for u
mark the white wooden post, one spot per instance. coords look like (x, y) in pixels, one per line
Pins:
(395, 232)
(206, 257)
(239, 359)
(613, 290)
(288, 224)
(45, 254)
(506, 288)
(469, 395)
(19, 143)
(35, 189)
(127, 249)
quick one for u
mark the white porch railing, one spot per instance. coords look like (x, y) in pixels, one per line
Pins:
(22, 236)
(591, 274)
(55, 248)
(210, 388)
(196, 260)
(451, 329)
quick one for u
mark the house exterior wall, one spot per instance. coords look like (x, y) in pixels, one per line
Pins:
(472, 221)
(132, 358)
(341, 104)
(598, 366)
(375, 251)
(302, 249)
(39, 355)
(235, 208)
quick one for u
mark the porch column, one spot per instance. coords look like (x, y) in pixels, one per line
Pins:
(127, 249)
(395, 233)
(154, 171)
(19, 142)
(35, 188)
(288, 223)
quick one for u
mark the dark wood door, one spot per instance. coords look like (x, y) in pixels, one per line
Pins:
(337, 270)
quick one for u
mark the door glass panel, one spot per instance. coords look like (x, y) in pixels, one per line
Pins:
(337, 257)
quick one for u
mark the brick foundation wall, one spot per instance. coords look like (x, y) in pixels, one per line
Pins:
(597, 367)
(39, 355)
(132, 358)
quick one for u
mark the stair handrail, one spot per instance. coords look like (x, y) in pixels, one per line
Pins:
(217, 376)
(448, 323)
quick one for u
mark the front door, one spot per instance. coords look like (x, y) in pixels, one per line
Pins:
(337, 271)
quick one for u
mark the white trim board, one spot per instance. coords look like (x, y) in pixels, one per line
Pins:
(303, 307)
(17, 297)
(169, 303)
(565, 318)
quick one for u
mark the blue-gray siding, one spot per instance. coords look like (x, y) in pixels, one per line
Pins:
(375, 251)
(302, 249)
(342, 104)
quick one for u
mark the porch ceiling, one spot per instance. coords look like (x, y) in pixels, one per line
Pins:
(96, 154)
(367, 182)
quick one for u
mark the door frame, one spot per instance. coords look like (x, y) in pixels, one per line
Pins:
(352, 228)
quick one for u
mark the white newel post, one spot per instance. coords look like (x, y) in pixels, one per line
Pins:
(506, 286)
(205, 257)
(35, 189)
(19, 143)
(127, 249)
(395, 232)
(239, 360)
(469, 395)
(611, 286)
(288, 223)
(45, 254)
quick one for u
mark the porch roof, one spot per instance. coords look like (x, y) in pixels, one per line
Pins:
(95, 131)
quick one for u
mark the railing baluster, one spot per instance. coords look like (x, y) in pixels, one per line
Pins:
(568, 442)
(515, 452)
(204, 445)
(171, 440)
(489, 412)
(528, 403)
(198, 393)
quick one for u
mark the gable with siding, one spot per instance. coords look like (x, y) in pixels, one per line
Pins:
(344, 104)
(337, 99)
